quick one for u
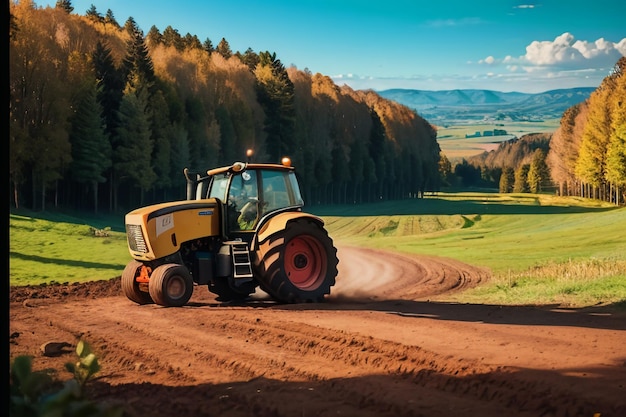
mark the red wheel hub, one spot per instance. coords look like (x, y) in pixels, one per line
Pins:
(305, 262)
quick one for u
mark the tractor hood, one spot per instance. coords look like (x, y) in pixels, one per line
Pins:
(157, 231)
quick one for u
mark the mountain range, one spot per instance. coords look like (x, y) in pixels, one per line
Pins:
(448, 106)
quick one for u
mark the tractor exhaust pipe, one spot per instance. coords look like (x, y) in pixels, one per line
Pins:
(192, 183)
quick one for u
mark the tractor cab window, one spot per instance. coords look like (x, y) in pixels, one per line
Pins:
(219, 187)
(280, 190)
(243, 201)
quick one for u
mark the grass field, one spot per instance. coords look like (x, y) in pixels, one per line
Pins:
(455, 145)
(540, 249)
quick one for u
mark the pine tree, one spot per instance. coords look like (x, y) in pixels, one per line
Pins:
(207, 45)
(137, 63)
(223, 48)
(65, 5)
(171, 37)
(275, 93)
(93, 14)
(91, 150)
(133, 156)
(110, 19)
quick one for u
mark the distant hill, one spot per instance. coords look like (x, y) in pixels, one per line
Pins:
(455, 105)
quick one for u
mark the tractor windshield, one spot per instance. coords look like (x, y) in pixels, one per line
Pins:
(219, 187)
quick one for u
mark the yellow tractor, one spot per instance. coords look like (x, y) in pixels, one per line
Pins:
(241, 228)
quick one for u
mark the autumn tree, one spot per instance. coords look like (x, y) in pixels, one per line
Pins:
(521, 179)
(564, 146)
(507, 180)
(591, 162)
(538, 173)
(39, 103)
(616, 148)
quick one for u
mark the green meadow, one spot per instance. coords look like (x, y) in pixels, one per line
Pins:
(540, 249)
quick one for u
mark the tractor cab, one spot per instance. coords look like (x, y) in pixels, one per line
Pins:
(250, 194)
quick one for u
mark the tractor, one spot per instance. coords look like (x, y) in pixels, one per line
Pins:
(242, 227)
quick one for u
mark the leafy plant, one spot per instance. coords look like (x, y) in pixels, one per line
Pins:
(37, 394)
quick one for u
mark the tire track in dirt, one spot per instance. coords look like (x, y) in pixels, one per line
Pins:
(369, 274)
(266, 359)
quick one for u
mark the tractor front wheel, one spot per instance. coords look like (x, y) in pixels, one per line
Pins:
(301, 264)
(130, 286)
(171, 285)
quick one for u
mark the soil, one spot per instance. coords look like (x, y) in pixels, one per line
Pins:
(385, 343)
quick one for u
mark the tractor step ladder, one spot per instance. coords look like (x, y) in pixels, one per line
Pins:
(241, 261)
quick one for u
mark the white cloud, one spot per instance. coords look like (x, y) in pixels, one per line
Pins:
(547, 65)
(566, 53)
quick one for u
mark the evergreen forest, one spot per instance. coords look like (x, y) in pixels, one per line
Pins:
(105, 117)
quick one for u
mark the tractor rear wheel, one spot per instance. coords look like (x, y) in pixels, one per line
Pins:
(301, 264)
(171, 285)
(130, 286)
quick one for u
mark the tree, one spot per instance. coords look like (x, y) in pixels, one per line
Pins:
(65, 5)
(110, 19)
(207, 45)
(110, 85)
(223, 48)
(137, 63)
(507, 179)
(250, 58)
(228, 138)
(275, 93)
(564, 146)
(191, 42)
(39, 105)
(91, 149)
(133, 154)
(171, 37)
(591, 163)
(538, 172)
(616, 148)
(377, 151)
(521, 179)
(161, 129)
(154, 37)
(93, 14)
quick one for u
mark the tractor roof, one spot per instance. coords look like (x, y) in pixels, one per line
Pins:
(241, 166)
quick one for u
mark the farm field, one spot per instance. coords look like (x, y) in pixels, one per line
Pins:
(455, 145)
(397, 337)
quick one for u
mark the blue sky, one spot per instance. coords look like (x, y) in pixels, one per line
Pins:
(428, 45)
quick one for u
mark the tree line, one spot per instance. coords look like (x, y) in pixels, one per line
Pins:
(103, 117)
(588, 151)
(585, 156)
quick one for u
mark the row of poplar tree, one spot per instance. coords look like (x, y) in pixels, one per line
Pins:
(585, 156)
(103, 117)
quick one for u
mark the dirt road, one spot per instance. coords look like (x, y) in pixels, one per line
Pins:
(377, 347)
